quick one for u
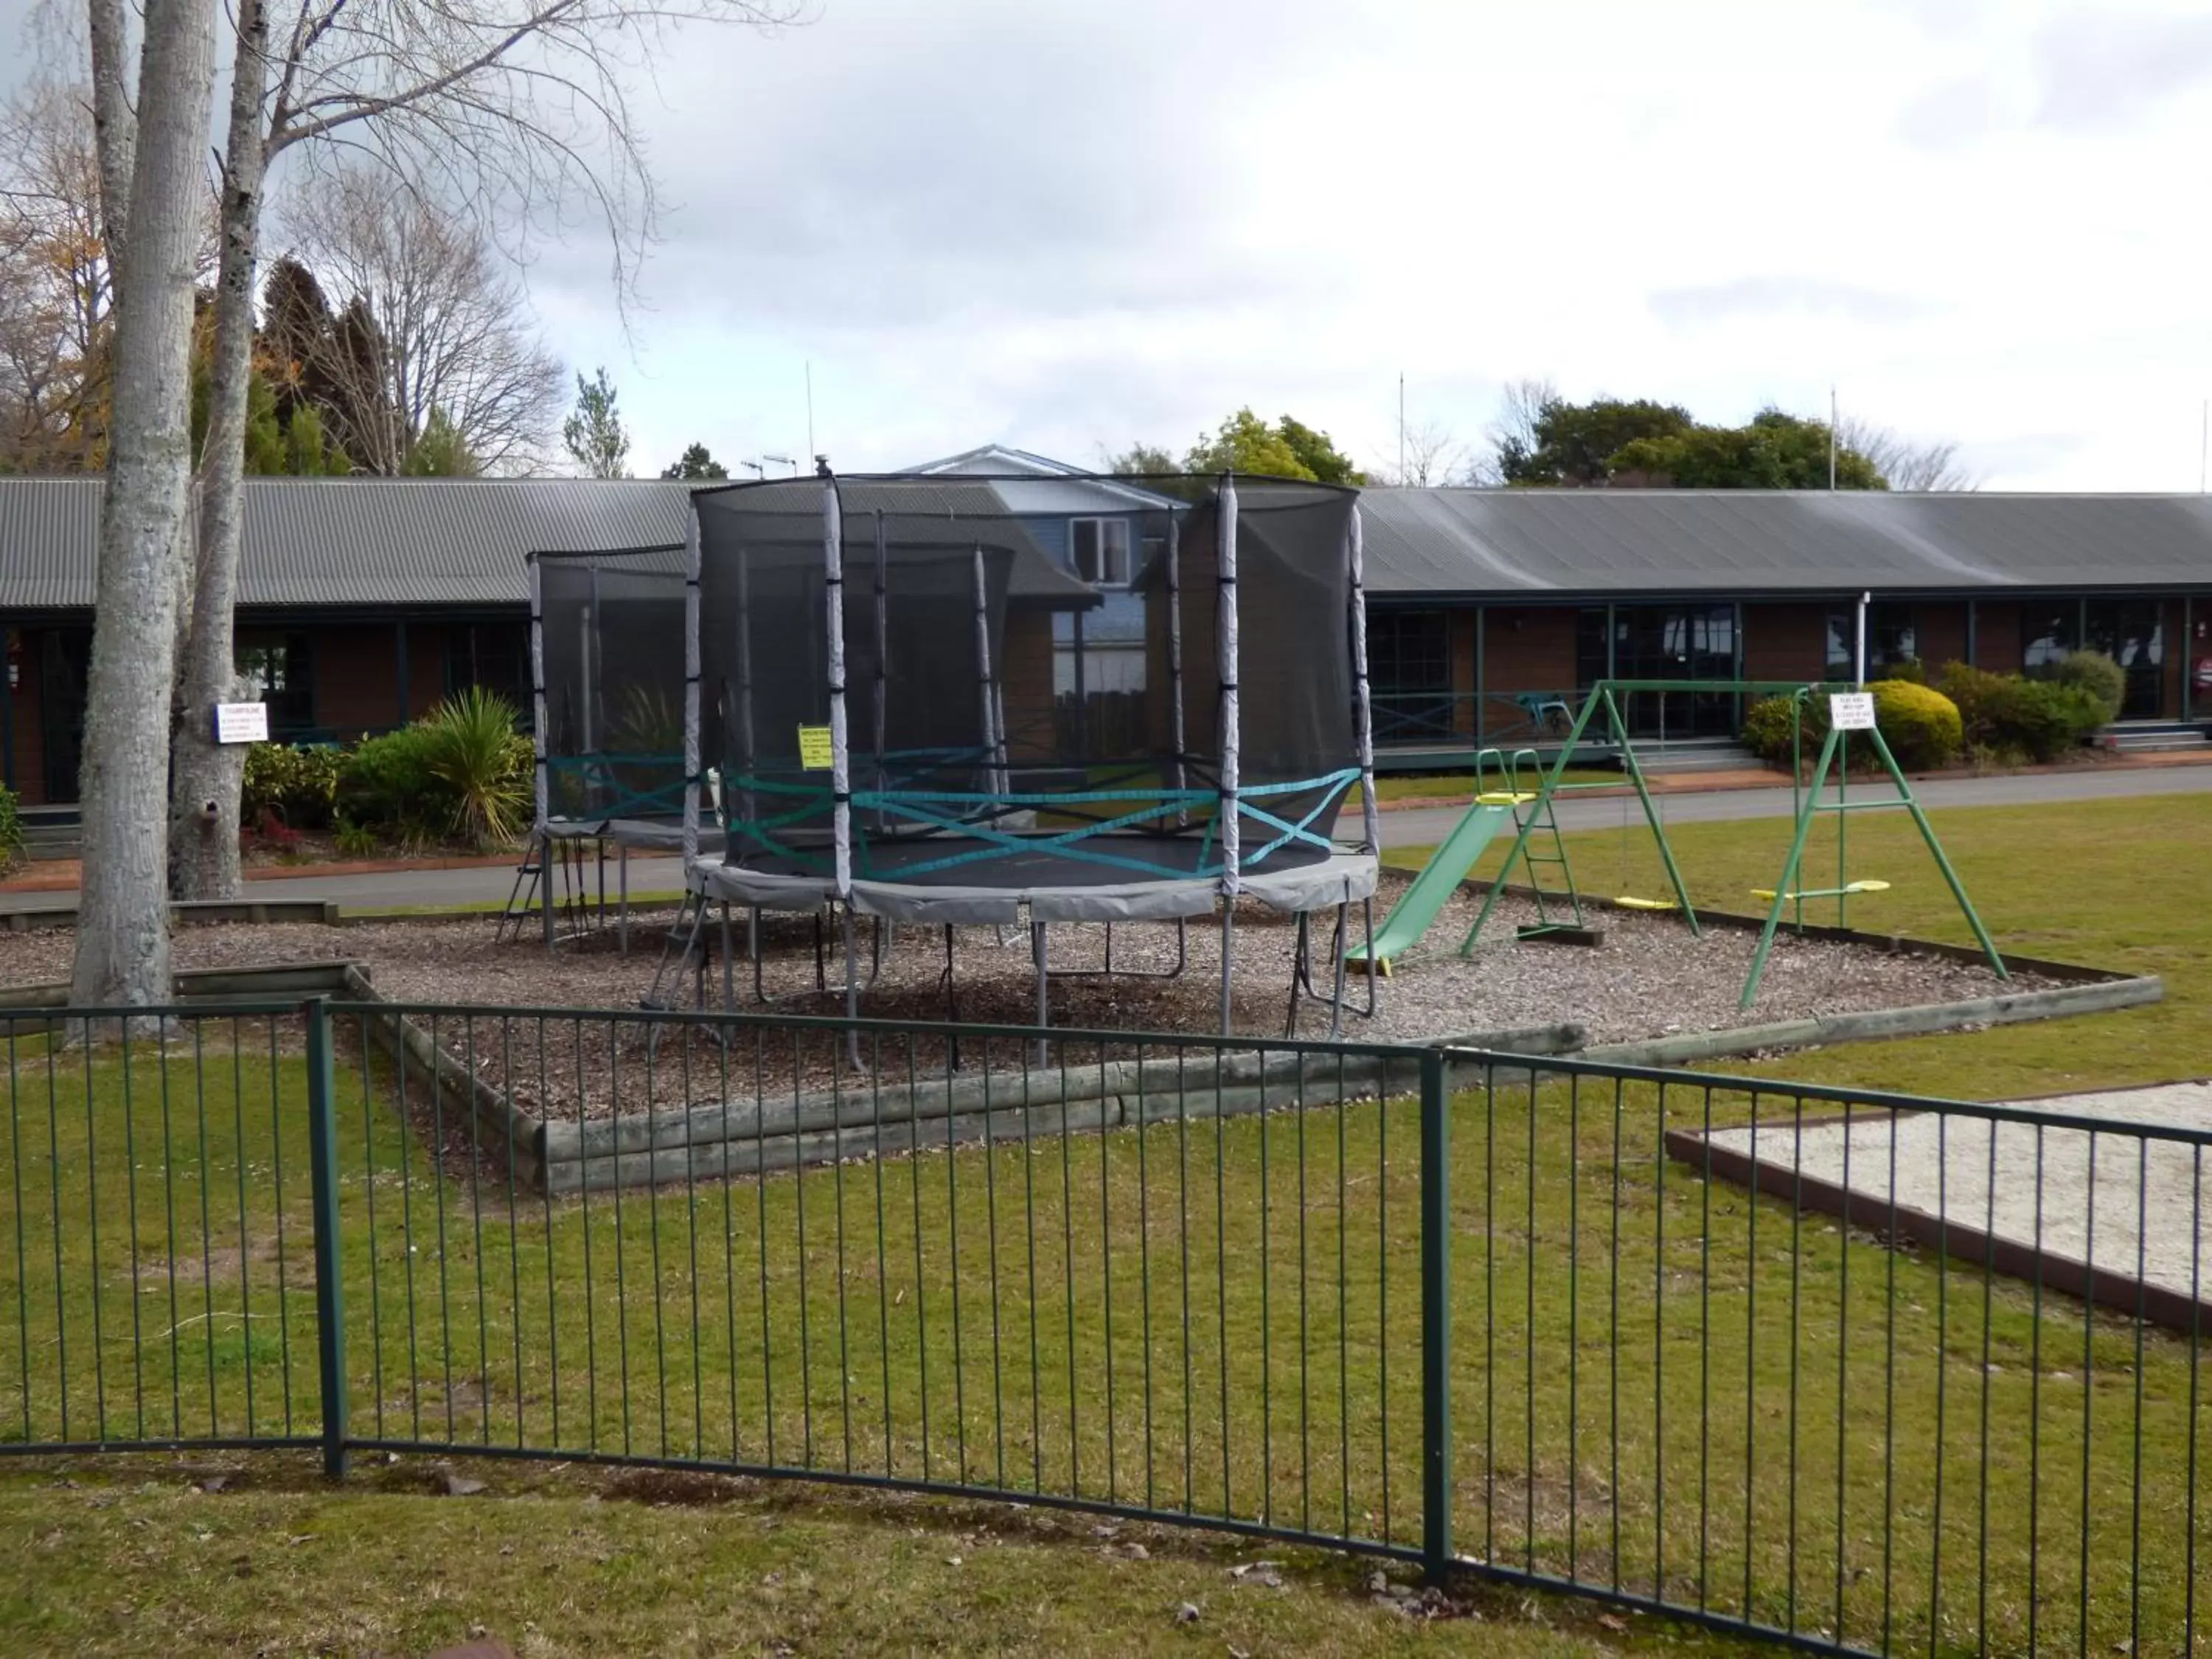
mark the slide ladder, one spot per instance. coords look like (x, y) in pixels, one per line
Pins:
(1558, 908)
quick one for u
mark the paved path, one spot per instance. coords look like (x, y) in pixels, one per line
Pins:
(1413, 827)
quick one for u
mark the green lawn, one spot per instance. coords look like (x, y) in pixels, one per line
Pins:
(1201, 1314)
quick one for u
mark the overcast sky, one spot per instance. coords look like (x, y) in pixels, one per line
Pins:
(1068, 227)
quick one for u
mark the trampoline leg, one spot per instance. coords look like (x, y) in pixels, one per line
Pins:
(622, 911)
(852, 992)
(951, 1003)
(729, 984)
(1037, 943)
(1228, 944)
(1336, 997)
(546, 888)
(601, 845)
(1301, 944)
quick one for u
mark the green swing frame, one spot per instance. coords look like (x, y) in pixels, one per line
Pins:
(1807, 801)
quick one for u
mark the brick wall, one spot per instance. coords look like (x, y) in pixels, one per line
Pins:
(1529, 649)
(357, 673)
(1785, 642)
(1942, 633)
(1996, 637)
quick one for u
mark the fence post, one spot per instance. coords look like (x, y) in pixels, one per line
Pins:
(1435, 1328)
(330, 1300)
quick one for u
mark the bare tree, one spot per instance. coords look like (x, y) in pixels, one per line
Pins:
(1433, 456)
(56, 292)
(1520, 405)
(123, 923)
(513, 112)
(1906, 462)
(430, 319)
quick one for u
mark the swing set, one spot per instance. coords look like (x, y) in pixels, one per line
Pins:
(1851, 715)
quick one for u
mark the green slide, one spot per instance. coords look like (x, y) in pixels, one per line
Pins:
(1439, 879)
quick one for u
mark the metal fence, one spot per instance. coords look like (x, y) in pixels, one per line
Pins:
(1641, 1336)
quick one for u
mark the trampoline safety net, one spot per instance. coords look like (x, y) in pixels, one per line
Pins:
(608, 632)
(1021, 692)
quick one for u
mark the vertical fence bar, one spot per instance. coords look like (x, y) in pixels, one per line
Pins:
(330, 1300)
(1436, 1334)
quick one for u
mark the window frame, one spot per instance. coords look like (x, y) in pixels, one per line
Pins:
(1100, 520)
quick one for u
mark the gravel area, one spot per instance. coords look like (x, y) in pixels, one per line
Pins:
(1649, 978)
(1944, 1169)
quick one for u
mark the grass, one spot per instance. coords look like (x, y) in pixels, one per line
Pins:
(1627, 1340)
(2124, 885)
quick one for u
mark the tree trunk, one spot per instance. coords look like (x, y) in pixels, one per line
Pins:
(203, 794)
(114, 129)
(123, 922)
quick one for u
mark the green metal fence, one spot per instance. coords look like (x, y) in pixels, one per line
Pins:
(1632, 1334)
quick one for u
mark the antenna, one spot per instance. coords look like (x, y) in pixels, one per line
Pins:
(782, 460)
(759, 472)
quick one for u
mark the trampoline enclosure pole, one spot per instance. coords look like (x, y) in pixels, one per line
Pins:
(1176, 735)
(1225, 586)
(840, 778)
(691, 761)
(1370, 823)
(745, 759)
(986, 684)
(883, 661)
(541, 793)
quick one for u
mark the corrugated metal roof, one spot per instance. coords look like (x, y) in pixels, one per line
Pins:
(1565, 542)
(324, 543)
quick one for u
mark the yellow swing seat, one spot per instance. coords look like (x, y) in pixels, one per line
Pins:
(1503, 798)
(1630, 902)
(1869, 885)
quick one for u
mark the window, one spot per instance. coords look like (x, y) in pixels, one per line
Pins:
(2130, 632)
(1893, 637)
(1664, 642)
(1101, 550)
(2049, 633)
(1408, 651)
(278, 669)
(495, 655)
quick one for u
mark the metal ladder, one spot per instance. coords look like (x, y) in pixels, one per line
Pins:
(1543, 848)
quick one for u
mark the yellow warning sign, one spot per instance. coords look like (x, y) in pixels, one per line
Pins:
(816, 752)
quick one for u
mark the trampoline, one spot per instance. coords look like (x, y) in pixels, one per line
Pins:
(875, 674)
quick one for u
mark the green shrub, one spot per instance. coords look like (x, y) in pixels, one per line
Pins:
(385, 786)
(1911, 670)
(300, 786)
(356, 841)
(482, 764)
(2094, 672)
(2007, 717)
(11, 828)
(1766, 728)
(1920, 725)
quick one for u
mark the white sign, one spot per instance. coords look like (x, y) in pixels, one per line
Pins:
(241, 722)
(1851, 711)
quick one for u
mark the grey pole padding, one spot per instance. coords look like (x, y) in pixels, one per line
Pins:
(986, 685)
(841, 773)
(883, 663)
(690, 694)
(1370, 819)
(543, 793)
(746, 758)
(1225, 581)
(587, 628)
(1225, 586)
(1176, 735)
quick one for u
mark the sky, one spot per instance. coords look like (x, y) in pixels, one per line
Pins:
(1069, 228)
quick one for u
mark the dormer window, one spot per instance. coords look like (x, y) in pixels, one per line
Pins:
(1101, 550)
